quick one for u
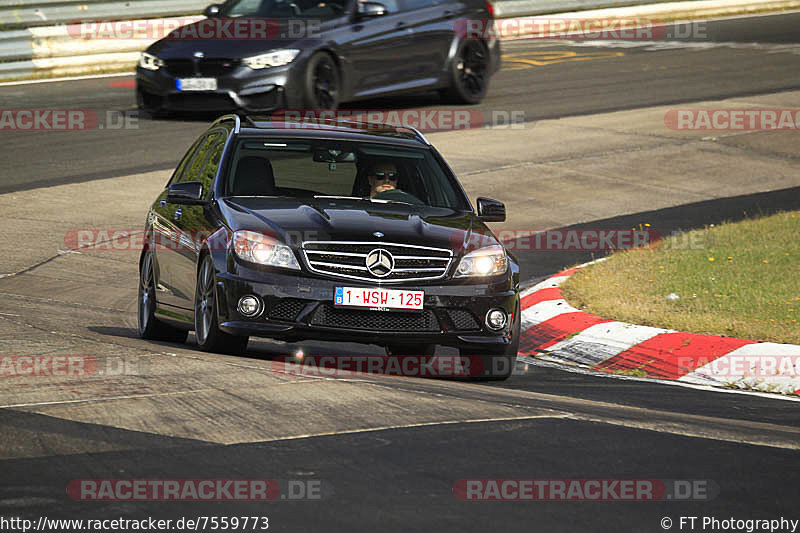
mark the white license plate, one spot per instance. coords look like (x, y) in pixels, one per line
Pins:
(196, 84)
(378, 298)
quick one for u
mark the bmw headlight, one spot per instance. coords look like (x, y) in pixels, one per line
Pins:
(257, 248)
(487, 261)
(150, 62)
(274, 58)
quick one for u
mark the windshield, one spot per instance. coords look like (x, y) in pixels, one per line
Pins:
(371, 172)
(282, 9)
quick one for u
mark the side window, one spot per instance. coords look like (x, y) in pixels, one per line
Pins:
(195, 167)
(209, 171)
(176, 176)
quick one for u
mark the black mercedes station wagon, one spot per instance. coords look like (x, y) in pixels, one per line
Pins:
(263, 55)
(336, 231)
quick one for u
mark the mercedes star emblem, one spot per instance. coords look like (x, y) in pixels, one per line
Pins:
(380, 263)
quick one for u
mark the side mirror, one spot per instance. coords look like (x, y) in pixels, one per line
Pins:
(212, 11)
(187, 193)
(370, 9)
(491, 210)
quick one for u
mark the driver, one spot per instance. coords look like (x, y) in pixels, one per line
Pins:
(382, 177)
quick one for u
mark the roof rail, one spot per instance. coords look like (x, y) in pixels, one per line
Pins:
(251, 121)
(236, 121)
(418, 134)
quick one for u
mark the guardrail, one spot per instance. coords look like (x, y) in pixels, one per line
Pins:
(525, 8)
(21, 14)
(61, 50)
(18, 14)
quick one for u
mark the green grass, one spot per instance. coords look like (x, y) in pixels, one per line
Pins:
(737, 279)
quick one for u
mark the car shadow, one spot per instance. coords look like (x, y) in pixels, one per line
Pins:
(413, 101)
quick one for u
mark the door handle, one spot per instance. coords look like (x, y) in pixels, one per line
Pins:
(401, 24)
(447, 12)
(178, 214)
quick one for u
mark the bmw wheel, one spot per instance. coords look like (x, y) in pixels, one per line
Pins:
(469, 74)
(322, 82)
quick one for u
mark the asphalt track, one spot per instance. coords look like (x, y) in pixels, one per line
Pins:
(387, 451)
(730, 58)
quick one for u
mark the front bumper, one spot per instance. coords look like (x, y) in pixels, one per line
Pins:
(240, 89)
(301, 308)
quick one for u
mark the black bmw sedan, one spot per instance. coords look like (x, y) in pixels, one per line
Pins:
(262, 55)
(326, 230)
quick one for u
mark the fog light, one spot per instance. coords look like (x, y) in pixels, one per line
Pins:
(496, 319)
(249, 306)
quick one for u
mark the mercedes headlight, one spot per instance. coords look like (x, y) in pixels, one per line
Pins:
(487, 261)
(257, 248)
(274, 58)
(150, 62)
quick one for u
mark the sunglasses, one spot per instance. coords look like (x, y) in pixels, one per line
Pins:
(392, 176)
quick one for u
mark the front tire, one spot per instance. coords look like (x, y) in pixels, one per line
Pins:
(469, 74)
(148, 109)
(322, 88)
(150, 327)
(206, 324)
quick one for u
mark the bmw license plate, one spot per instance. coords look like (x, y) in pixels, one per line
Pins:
(378, 298)
(196, 84)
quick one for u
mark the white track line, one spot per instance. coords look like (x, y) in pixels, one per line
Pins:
(416, 425)
(110, 399)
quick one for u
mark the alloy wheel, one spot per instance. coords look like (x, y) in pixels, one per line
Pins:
(204, 305)
(473, 67)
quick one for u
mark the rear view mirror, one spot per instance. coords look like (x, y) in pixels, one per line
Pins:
(187, 192)
(491, 210)
(334, 156)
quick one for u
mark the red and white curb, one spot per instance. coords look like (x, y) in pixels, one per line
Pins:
(552, 330)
